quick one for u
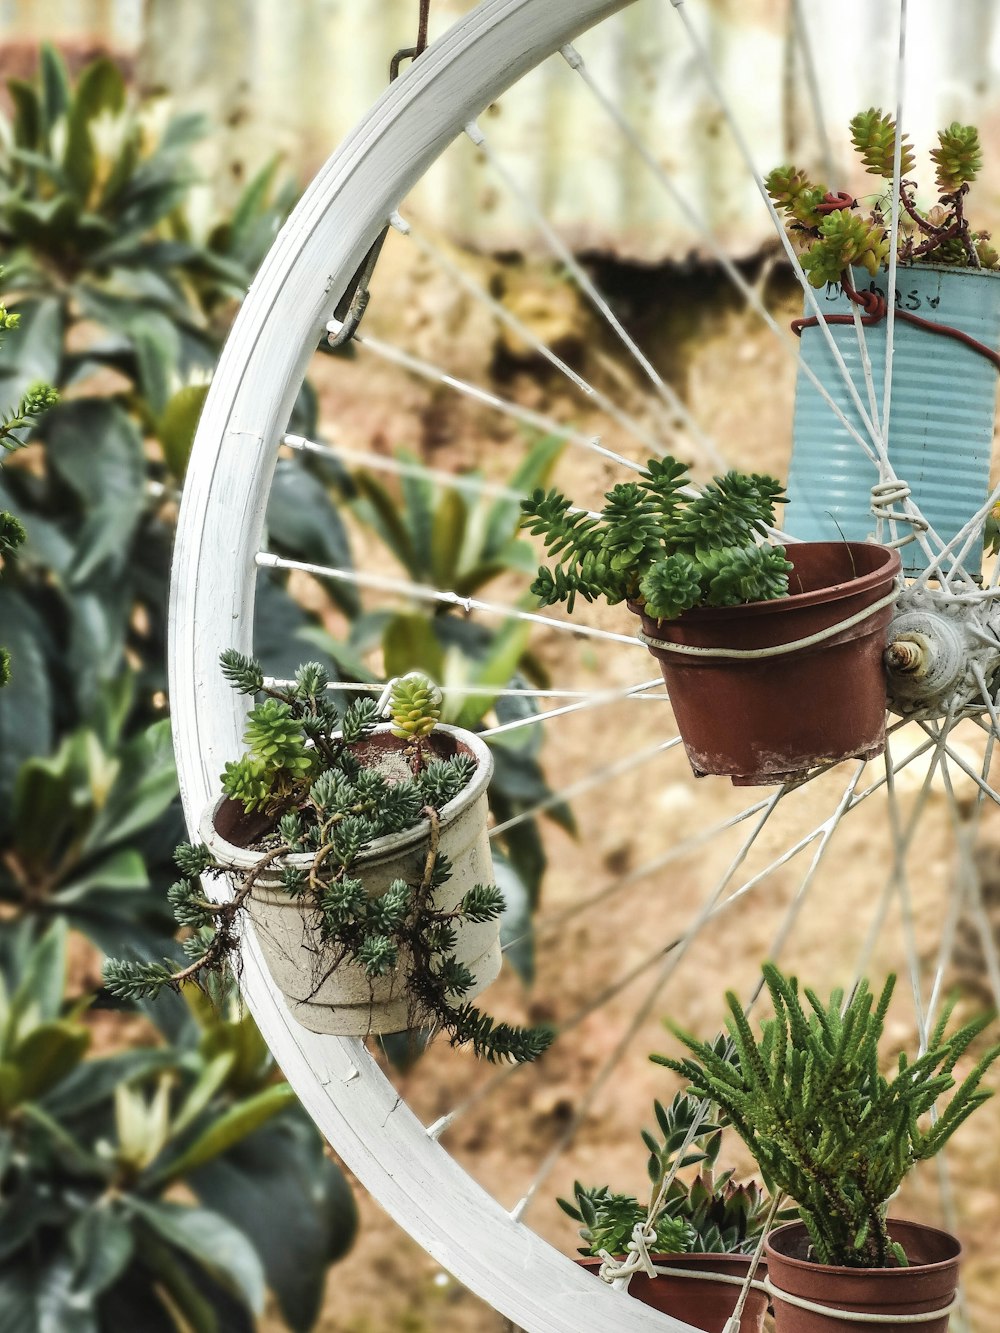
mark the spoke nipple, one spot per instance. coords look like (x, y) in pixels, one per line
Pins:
(907, 657)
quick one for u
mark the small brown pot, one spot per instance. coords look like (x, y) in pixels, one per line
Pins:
(928, 1284)
(770, 719)
(699, 1301)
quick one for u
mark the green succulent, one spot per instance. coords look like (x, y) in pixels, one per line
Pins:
(874, 136)
(414, 706)
(958, 157)
(659, 543)
(827, 1127)
(707, 1213)
(845, 241)
(793, 191)
(834, 234)
(301, 771)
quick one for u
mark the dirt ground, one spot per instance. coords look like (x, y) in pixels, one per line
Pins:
(816, 913)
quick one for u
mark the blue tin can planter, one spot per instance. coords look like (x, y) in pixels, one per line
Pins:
(941, 412)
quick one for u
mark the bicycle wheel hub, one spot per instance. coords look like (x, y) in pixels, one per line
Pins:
(943, 654)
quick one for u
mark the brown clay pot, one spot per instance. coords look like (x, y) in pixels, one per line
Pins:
(698, 1301)
(928, 1284)
(771, 719)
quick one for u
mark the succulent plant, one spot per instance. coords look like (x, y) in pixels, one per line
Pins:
(833, 233)
(300, 772)
(827, 1127)
(662, 545)
(707, 1213)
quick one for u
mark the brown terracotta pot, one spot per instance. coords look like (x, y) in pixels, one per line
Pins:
(928, 1284)
(697, 1300)
(770, 719)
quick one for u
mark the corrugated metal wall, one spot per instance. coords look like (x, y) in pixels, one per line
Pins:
(291, 76)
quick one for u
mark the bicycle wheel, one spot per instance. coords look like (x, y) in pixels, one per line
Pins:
(400, 1159)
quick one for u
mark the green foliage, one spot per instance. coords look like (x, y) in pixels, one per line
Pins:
(704, 1213)
(85, 826)
(333, 808)
(793, 191)
(826, 1126)
(845, 241)
(958, 158)
(15, 425)
(662, 545)
(121, 300)
(874, 137)
(833, 238)
(90, 1148)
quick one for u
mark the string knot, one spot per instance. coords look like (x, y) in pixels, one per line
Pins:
(886, 495)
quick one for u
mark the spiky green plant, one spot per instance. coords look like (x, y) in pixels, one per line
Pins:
(659, 543)
(708, 1213)
(320, 799)
(826, 1126)
(836, 234)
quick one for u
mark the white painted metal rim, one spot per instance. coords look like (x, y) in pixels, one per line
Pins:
(211, 609)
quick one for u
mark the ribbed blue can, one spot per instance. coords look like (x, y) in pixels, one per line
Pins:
(941, 412)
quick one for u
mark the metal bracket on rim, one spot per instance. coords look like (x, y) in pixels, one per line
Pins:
(353, 304)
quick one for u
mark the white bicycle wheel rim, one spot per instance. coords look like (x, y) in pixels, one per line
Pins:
(211, 608)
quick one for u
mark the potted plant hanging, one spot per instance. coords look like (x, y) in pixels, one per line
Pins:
(836, 1136)
(772, 657)
(701, 1232)
(945, 339)
(360, 853)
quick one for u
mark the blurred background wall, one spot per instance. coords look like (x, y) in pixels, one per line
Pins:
(290, 77)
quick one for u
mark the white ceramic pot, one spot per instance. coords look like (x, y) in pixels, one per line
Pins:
(344, 1001)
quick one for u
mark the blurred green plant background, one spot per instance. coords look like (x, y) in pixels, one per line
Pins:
(155, 1171)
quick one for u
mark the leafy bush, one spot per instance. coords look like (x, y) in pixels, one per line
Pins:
(93, 1237)
(122, 307)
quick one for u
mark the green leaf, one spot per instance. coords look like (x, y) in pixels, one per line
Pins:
(100, 90)
(208, 1083)
(410, 644)
(42, 981)
(102, 1244)
(303, 523)
(26, 701)
(294, 1204)
(56, 92)
(215, 1243)
(534, 471)
(145, 786)
(33, 353)
(379, 510)
(178, 424)
(156, 341)
(172, 1275)
(228, 1129)
(124, 870)
(504, 653)
(516, 928)
(46, 1055)
(10, 1088)
(27, 113)
(448, 538)
(97, 450)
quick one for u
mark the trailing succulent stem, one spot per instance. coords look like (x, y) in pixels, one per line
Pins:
(301, 772)
(662, 545)
(833, 234)
(826, 1126)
